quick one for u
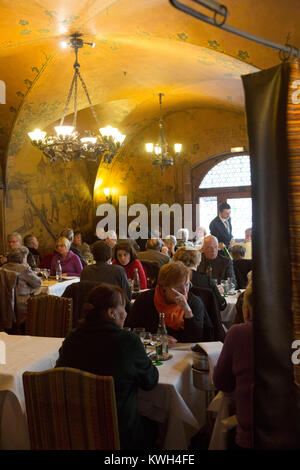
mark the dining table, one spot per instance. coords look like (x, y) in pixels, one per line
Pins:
(54, 287)
(21, 353)
(228, 314)
(174, 403)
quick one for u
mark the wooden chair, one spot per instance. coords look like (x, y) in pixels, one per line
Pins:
(68, 409)
(48, 315)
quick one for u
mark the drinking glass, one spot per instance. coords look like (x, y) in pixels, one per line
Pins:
(46, 274)
(126, 328)
(138, 331)
(147, 339)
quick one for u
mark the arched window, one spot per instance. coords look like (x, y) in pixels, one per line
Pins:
(225, 178)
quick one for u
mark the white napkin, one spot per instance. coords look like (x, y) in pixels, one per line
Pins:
(213, 350)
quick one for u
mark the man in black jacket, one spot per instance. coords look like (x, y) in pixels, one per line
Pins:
(220, 227)
(213, 263)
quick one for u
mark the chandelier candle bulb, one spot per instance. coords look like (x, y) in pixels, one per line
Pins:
(149, 147)
(64, 131)
(177, 148)
(37, 135)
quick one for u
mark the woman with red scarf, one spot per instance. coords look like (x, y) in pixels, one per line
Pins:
(185, 315)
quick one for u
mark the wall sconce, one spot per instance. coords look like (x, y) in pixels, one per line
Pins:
(108, 195)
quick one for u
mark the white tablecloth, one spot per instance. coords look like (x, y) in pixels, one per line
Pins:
(23, 353)
(228, 314)
(175, 401)
(223, 406)
(55, 288)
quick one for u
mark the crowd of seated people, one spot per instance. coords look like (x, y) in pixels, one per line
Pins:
(182, 265)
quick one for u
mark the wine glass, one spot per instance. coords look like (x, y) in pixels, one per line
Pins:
(140, 332)
(147, 339)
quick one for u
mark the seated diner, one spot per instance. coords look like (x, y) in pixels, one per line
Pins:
(101, 346)
(185, 315)
(70, 263)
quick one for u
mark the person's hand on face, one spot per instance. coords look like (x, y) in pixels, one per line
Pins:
(177, 295)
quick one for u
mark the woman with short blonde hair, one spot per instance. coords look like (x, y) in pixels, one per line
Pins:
(70, 262)
(189, 256)
(186, 318)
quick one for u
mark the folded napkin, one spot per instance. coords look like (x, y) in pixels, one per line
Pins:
(213, 350)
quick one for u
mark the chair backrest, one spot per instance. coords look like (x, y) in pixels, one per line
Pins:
(210, 302)
(78, 292)
(151, 270)
(69, 409)
(48, 315)
(8, 303)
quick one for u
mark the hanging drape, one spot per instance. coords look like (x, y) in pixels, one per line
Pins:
(274, 150)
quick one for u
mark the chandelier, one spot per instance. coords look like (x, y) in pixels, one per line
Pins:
(162, 155)
(67, 145)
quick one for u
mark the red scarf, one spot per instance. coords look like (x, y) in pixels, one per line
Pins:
(173, 313)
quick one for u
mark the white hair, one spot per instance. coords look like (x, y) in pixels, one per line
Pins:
(183, 234)
(171, 237)
(111, 234)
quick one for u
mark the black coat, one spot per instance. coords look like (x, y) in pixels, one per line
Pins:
(222, 268)
(218, 229)
(108, 273)
(241, 269)
(198, 328)
(102, 348)
(202, 280)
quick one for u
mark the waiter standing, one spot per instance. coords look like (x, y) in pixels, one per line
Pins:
(220, 226)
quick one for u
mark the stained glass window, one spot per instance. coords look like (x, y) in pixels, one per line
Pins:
(234, 171)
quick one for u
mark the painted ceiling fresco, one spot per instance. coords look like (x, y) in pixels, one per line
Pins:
(142, 48)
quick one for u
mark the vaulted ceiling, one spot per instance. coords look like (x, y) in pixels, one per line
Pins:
(142, 48)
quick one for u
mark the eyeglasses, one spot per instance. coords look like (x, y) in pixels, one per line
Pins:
(185, 286)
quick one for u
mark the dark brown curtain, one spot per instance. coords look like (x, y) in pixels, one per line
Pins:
(276, 396)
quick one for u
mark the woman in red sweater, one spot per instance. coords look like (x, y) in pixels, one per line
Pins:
(125, 256)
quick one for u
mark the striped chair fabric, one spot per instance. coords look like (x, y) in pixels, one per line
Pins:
(48, 315)
(68, 409)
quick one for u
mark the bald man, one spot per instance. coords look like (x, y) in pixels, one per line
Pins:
(214, 264)
(153, 253)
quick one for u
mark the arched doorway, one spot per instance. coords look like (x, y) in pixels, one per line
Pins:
(224, 178)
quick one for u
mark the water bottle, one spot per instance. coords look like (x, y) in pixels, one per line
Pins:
(58, 271)
(136, 281)
(162, 330)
